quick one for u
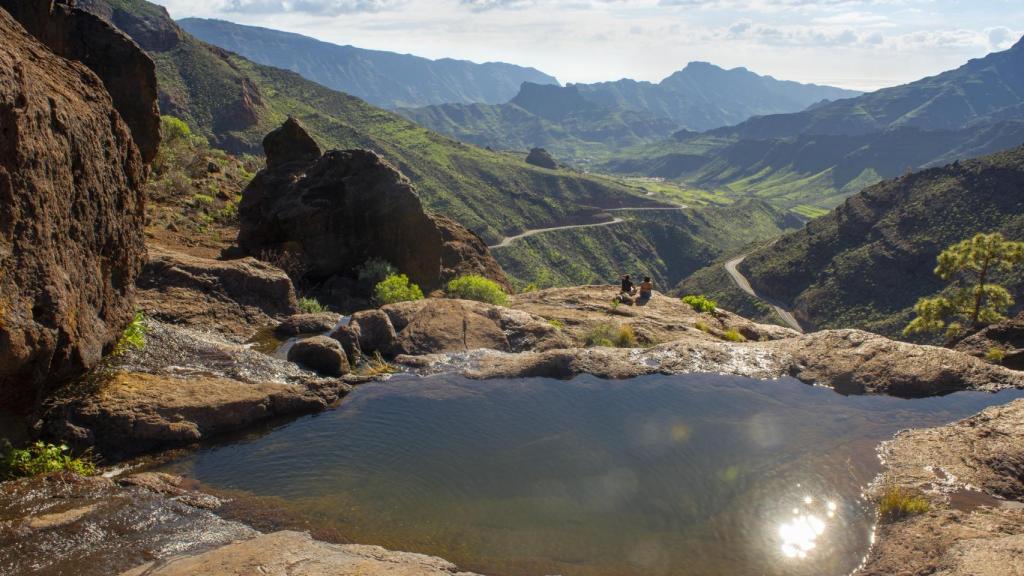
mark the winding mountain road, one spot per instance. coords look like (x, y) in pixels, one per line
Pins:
(741, 281)
(510, 239)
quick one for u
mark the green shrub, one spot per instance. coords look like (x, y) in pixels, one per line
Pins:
(556, 323)
(42, 458)
(174, 129)
(229, 213)
(733, 335)
(134, 335)
(311, 306)
(202, 199)
(701, 303)
(531, 287)
(396, 288)
(896, 502)
(611, 336)
(995, 355)
(702, 327)
(474, 287)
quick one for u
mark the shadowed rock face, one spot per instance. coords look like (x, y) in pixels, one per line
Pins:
(341, 208)
(1007, 337)
(71, 218)
(127, 72)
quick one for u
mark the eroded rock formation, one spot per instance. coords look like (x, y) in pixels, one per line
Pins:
(128, 74)
(337, 210)
(1002, 343)
(233, 297)
(71, 218)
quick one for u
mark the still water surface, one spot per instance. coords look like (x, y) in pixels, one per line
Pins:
(681, 475)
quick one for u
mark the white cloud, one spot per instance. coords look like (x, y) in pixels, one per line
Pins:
(856, 43)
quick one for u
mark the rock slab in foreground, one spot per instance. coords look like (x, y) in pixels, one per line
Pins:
(71, 218)
(183, 387)
(288, 553)
(982, 455)
(850, 361)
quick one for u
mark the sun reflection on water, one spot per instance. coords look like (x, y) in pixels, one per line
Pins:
(799, 535)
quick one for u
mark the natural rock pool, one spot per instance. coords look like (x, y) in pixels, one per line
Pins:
(690, 474)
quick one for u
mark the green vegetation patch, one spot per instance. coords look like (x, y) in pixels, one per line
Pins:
(701, 303)
(396, 288)
(42, 458)
(475, 287)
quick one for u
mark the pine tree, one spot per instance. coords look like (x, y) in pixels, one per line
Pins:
(972, 299)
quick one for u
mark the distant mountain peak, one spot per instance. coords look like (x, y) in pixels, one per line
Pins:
(551, 101)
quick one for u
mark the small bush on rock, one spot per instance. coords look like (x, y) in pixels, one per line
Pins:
(474, 287)
(701, 303)
(611, 336)
(42, 458)
(733, 335)
(134, 335)
(896, 502)
(396, 288)
(311, 306)
(995, 355)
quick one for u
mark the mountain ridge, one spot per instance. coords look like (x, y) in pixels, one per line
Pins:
(383, 78)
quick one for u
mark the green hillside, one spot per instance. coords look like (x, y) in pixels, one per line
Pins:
(810, 173)
(558, 119)
(235, 102)
(867, 262)
(666, 245)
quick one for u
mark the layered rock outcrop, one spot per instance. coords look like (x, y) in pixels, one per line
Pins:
(232, 297)
(438, 325)
(1002, 343)
(71, 218)
(337, 210)
(184, 386)
(128, 74)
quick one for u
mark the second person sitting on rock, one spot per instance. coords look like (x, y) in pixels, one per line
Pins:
(646, 290)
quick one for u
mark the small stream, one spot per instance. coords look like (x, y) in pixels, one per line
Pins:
(689, 474)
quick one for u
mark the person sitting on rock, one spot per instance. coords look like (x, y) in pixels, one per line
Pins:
(646, 290)
(626, 290)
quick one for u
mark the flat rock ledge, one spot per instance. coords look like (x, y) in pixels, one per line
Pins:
(183, 387)
(849, 361)
(972, 473)
(288, 553)
(154, 524)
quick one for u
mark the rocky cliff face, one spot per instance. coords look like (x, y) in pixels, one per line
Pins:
(336, 210)
(127, 72)
(71, 218)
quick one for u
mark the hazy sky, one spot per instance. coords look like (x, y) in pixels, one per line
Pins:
(863, 44)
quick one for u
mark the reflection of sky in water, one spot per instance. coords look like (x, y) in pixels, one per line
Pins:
(697, 474)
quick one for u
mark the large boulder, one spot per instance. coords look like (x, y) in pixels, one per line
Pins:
(541, 157)
(234, 297)
(71, 218)
(438, 325)
(321, 354)
(337, 210)
(374, 331)
(128, 74)
(310, 323)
